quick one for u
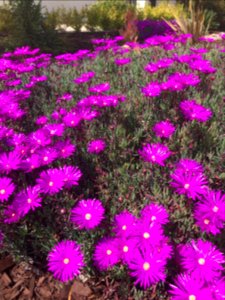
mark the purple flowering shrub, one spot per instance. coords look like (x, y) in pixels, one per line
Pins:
(148, 28)
(112, 163)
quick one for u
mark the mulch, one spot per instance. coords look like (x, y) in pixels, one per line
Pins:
(23, 281)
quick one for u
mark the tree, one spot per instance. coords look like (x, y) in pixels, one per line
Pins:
(28, 25)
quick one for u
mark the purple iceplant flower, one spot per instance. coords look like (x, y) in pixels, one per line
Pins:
(87, 213)
(194, 111)
(164, 129)
(209, 213)
(202, 260)
(96, 146)
(190, 288)
(65, 260)
(106, 253)
(7, 187)
(147, 267)
(155, 153)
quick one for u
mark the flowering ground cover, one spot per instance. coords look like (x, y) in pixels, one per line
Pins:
(112, 164)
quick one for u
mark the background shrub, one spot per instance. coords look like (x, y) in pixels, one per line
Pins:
(163, 10)
(70, 17)
(107, 15)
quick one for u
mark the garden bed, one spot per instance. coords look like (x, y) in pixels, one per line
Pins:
(109, 150)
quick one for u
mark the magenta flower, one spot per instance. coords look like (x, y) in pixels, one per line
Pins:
(7, 187)
(202, 65)
(164, 63)
(189, 166)
(87, 114)
(9, 161)
(87, 213)
(27, 200)
(96, 146)
(42, 120)
(219, 289)
(72, 119)
(31, 163)
(11, 214)
(124, 224)
(50, 181)
(106, 253)
(127, 248)
(164, 129)
(39, 138)
(150, 235)
(65, 148)
(190, 288)
(155, 153)
(210, 212)
(193, 186)
(153, 89)
(202, 260)
(55, 129)
(70, 175)
(16, 140)
(151, 68)
(122, 61)
(47, 155)
(155, 213)
(85, 77)
(147, 267)
(65, 260)
(65, 97)
(194, 111)
(100, 88)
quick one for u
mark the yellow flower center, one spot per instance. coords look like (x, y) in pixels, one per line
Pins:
(201, 261)
(66, 261)
(206, 222)
(125, 249)
(45, 158)
(153, 157)
(186, 186)
(124, 227)
(192, 297)
(51, 183)
(29, 200)
(146, 235)
(215, 209)
(88, 217)
(2, 192)
(153, 218)
(108, 252)
(146, 266)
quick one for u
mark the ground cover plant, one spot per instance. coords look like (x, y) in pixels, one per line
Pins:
(112, 164)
